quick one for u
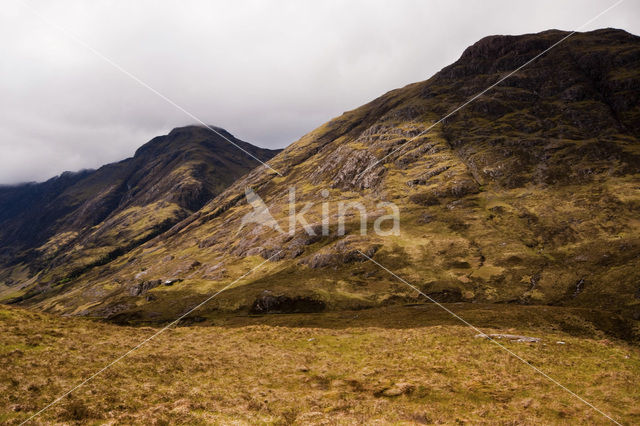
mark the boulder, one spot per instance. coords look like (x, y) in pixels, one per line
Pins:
(512, 337)
(395, 390)
(143, 287)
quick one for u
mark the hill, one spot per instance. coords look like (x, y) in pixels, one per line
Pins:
(54, 231)
(527, 196)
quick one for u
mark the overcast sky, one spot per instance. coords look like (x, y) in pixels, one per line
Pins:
(267, 71)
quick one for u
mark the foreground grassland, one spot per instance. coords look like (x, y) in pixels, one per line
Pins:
(418, 369)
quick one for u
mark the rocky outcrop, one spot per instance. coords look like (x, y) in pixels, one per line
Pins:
(269, 303)
(347, 168)
(395, 390)
(143, 287)
(512, 337)
(340, 254)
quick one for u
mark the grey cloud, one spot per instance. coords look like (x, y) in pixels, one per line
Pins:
(266, 71)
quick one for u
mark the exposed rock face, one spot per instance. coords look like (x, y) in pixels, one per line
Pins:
(339, 254)
(351, 169)
(143, 287)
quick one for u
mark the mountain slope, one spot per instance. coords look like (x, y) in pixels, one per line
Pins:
(58, 229)
(528, 195)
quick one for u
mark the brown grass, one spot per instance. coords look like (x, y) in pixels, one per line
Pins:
(271, 374)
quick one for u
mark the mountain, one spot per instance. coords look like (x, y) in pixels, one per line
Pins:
(54, 231)
(529, 195)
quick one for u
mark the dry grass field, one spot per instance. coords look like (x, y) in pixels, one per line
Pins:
(401, 365)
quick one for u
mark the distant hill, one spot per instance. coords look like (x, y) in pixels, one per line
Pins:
(76, 221)
(529, 195)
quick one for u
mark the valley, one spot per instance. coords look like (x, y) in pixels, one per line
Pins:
(520, 213)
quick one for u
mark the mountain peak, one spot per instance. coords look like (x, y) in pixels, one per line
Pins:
(495, 46)
(198, 129)
(201, 137)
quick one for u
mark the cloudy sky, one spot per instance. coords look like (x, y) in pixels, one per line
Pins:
(267, 71)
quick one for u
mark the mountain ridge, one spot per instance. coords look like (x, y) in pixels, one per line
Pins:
(167, 179)
(528, 196)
